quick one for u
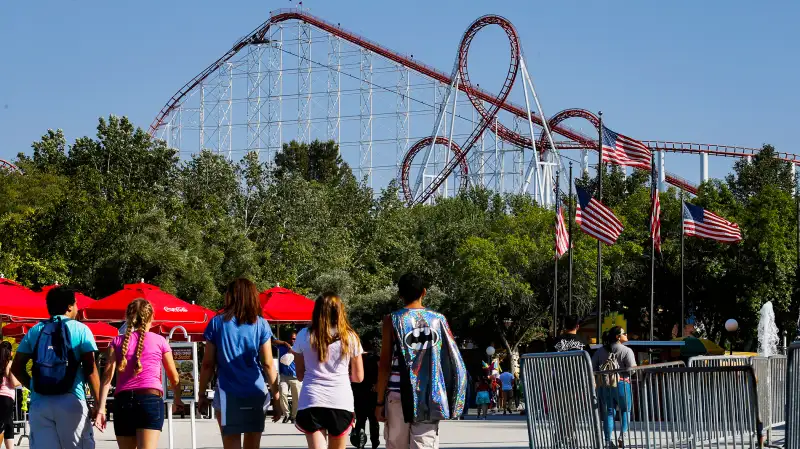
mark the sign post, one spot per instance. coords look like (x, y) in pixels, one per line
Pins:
(185, 355)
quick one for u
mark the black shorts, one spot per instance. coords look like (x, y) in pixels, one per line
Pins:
(7, 417)
(334, 421)
(137, 411)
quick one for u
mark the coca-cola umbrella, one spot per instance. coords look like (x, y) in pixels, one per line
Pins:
(166, 308)
(18, 303)
(194, 330)
(281, 305)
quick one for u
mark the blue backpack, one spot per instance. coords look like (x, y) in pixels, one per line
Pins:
(54, 363)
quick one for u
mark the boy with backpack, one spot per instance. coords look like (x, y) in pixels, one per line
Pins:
(62, 350)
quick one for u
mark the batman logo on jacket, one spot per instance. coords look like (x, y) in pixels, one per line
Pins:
(421, 337)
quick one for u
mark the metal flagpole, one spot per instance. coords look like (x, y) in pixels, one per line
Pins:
(555, 275)
(683, 287)
(599, 243)
(652, 249)
(569, 218)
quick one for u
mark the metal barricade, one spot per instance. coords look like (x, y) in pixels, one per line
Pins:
(770, 375)
(672, 406)
(560, 401)
(792, 416)
(719, 360)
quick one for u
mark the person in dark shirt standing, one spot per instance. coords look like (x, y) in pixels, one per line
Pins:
(568, 340)
(288, 377)
(366, 398)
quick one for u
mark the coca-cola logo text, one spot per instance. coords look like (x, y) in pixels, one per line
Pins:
(175, 309)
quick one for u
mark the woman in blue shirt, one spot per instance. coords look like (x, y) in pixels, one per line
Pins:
(238, 346)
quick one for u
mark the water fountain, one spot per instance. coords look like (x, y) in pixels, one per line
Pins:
(768, 337)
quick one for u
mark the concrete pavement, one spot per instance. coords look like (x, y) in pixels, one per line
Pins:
(497, 432)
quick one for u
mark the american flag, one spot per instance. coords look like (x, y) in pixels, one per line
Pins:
(562, 237)
(622, 150)
(596, 219)
(655, 221)
(701, 223)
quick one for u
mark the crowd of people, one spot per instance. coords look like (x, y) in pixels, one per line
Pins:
(337, 382)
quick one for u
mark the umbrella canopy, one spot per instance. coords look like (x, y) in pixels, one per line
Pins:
(81, 299)
(18, 303)
(101, 331)
(280, 304)
(167, 308)
(195, 330)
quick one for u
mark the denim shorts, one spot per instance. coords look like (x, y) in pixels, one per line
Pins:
(133, 411)
(241, 414)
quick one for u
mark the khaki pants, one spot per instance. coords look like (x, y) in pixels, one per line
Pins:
(402, 435)
(290, 383)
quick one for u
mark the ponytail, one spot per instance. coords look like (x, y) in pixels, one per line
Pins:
(123, 363)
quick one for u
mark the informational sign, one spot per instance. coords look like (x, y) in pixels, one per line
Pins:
(185, 356)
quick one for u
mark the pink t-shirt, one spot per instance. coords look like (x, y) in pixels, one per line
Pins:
(155, 346)
(6, 389)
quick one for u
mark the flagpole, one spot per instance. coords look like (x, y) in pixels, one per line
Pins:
(569, 217)
(652, 250)
(599, 243)
(683, 287)
(555, 275)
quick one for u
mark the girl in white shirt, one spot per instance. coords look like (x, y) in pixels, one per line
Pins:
(328, 360)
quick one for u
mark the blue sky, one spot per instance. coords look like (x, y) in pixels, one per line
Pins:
(700, 71)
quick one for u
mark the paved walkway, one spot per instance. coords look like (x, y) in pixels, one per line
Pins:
(497, 432)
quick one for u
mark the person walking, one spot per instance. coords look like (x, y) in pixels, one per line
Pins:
(137, 358)
(568, 340)
(483, 398)
(615, 388)
(8, 395)
(328, 360)
(288, 373)
(62, 350)
(415, 336)
(507, 391)
(365, 399)
(238, 348)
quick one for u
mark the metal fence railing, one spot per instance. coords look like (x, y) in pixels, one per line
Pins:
(792, 416)
(656, 406)
(672, 406)
(770, 375)
(561, 401)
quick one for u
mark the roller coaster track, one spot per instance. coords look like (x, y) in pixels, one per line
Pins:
(5, 165)
(577, 139)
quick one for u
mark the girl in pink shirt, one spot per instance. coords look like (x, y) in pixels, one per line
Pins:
(137, 357)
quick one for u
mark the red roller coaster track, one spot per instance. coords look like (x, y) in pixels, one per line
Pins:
(5, 165)
(474, 93)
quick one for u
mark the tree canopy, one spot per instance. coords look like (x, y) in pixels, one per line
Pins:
(119, 207)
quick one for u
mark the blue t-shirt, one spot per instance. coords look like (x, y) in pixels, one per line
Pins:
(81, 340)
(238, 349)
(285, 370)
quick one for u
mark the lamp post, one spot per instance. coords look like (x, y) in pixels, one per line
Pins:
(731, 326)
(489, 353)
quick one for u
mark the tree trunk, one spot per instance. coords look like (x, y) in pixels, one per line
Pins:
(513, 354)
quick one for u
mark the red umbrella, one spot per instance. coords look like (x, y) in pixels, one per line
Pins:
(195, 330)
(18, 303)
(280, 304)
(101, 331)
(80, 298)
(167, 308)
